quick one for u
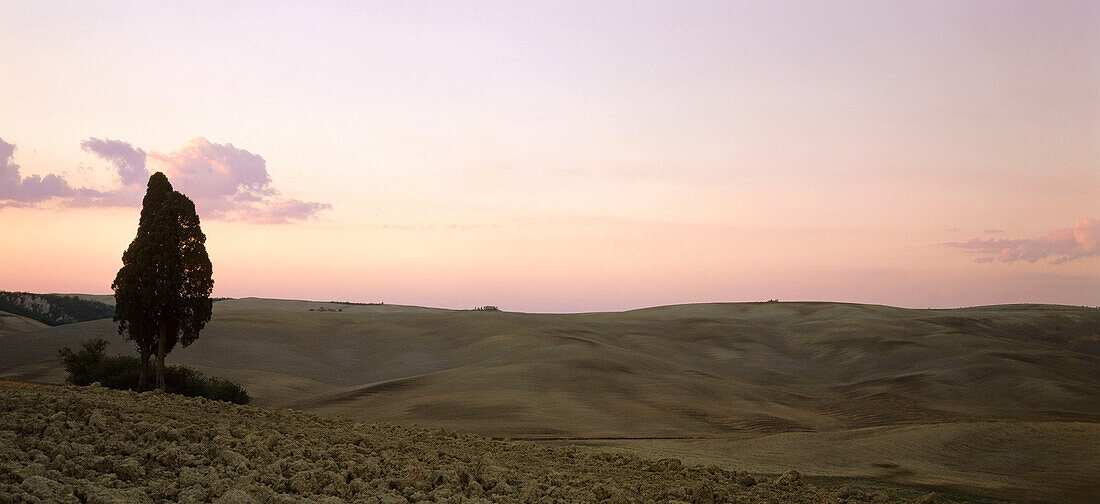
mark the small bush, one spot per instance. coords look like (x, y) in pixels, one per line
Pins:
(91, 364)
(119, 372)
(81, 364)
(183, 380)
(225, 390)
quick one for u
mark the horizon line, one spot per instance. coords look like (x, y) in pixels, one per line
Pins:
(649, 307)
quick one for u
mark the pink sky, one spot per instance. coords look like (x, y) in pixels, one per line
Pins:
(565, 156)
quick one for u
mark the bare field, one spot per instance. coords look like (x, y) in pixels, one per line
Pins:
(88, 444)
(15, 324)
(827, 388)
(1042, 461)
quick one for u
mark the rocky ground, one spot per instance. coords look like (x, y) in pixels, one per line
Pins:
(90, 444)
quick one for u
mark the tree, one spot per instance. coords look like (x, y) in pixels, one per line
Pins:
(133, 285)
(162, 292)
(183, 277)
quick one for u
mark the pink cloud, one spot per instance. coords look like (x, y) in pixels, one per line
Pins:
(231, 183)
(119, 197)
(129, 161)
(1062, 245)
(284, 211)
(16, 190)
(224, 181)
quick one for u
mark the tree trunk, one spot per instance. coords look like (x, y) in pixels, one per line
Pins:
(160, 356)
(143, 368)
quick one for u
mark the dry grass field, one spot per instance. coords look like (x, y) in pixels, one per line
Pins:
(1000, 400)
(15, 324)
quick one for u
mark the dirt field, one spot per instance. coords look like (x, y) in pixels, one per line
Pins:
(999, 400)
(1041, 461)
(89, 444)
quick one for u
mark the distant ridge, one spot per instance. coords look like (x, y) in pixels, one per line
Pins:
(53, 309)
(267, 302)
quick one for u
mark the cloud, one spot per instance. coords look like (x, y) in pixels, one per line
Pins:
(285, 211)
(120, 197)
(18, 191)
(230, 183)
(129, 161)
(225, 182)
(1061, 246)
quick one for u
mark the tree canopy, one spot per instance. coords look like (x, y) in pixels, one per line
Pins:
(133, 285)
(162, 291)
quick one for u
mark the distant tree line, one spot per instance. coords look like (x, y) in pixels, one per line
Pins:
(53, 309)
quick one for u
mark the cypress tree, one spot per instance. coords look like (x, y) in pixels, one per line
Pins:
(162, 292)
(183, 278)
(133, 287)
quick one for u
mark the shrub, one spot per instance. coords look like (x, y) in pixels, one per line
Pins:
(91, 364)
(79, 364)
(117, 372)
(225, 390)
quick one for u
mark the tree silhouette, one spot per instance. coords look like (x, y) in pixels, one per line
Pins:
(162, 292)
(133, 285)
(183, 277)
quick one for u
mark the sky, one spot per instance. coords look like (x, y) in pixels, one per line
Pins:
(564, 156)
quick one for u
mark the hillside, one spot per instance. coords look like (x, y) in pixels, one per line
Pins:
(107, 299)
(54, 309)
(988, 399)
(89, 444)
(14, 324)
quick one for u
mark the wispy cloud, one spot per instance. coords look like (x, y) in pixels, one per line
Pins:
(226, 182)
(16, 190)
(1061, 246)
(129, 160)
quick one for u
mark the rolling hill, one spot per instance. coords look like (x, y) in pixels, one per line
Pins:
(991, 399)
(15, 324)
